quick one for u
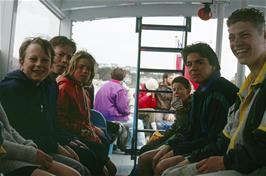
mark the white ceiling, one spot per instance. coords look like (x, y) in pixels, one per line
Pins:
(81, 10)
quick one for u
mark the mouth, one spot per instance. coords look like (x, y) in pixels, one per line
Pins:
(62, 67)
(38, 72)
(240, 52)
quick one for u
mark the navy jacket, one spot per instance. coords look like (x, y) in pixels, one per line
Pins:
(31, 108)
(210, 104)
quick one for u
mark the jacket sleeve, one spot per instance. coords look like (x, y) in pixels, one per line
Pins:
(215, 118)
(19, 152)
(122, 102)
(251, 155)
(63, 105)
(214, 149)
(219, 147)
(21, 139)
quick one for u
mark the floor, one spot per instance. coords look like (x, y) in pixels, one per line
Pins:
(123, 162)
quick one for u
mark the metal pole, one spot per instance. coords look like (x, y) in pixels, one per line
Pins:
(240, 74)
(219, 34)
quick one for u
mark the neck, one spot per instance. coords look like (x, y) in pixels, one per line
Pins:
(256, 67)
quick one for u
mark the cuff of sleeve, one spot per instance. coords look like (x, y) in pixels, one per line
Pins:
(227, 162)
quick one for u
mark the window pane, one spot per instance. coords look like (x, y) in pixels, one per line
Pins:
(33, 19)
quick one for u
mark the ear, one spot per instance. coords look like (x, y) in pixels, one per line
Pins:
(21, 62)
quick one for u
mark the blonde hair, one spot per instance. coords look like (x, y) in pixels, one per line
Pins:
(74, 61)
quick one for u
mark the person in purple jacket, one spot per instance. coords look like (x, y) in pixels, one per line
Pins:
(112, 98)
(113, 102)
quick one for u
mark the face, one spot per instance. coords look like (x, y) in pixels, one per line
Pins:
(83, 71)
(246, 42)
(36, 64)
(180, 91)
(63, 55)
(169, 80)
(199, 68)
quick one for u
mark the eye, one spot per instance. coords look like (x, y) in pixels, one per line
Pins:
(231, 38)
(188, 64)
(45, 60)
(33, 59)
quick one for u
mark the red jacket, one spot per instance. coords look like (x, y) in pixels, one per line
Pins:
(146, 101)
(73, 108)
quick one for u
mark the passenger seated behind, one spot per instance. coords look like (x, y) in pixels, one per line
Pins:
(29, 98)
(163, 101)
(112, 101)
(181, 103)
(147, 101)
(210, 104)
(74, 107)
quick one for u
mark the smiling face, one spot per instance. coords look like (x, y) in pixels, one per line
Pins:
(246, 42)
(199, 68)
(36, 63)
(82, 72)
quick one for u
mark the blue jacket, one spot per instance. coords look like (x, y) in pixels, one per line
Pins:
(31, 108)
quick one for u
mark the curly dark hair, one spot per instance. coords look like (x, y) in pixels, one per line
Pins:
(252, 15)
(204, 50)
(182, 80)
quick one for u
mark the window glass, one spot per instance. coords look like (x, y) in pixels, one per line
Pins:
(33, 19)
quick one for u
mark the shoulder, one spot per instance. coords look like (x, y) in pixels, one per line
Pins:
(225, 86)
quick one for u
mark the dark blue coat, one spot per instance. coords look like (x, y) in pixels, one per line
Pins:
(31, 108)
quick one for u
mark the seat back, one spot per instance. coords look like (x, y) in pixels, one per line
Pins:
(98, 119)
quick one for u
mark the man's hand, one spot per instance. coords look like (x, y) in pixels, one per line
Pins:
(184, 162)
(67, 152)
(43, 159)
(211, 164)
(78, 143)
(160, 154)
(72, 152)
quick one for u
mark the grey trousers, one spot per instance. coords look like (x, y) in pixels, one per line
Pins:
(190, 170)
(72, 163)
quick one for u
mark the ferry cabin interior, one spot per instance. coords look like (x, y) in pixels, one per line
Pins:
(69, 11)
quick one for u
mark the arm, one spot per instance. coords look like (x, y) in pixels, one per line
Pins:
(63, 106)
(220, 147)
(251, 155)
(21, 139)
(19, 152)
(215, 118)
(122, 102)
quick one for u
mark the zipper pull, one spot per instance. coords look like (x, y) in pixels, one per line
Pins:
(41, 108)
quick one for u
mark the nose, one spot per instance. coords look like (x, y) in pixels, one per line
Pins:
(66, 59)
(193, 66)
(38, 62)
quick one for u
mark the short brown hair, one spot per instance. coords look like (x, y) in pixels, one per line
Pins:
(252, 15)
(63, 41)
(45, 45)
(118, 74)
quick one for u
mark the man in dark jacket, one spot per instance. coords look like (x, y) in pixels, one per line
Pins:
(241, 148)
